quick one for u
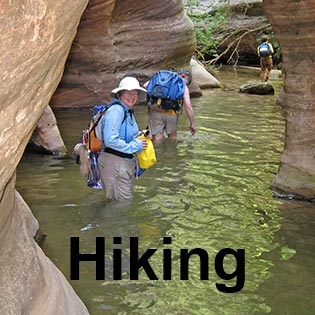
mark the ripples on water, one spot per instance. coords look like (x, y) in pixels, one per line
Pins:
(209, 191)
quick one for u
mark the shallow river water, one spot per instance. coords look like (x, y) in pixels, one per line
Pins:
(210, 191)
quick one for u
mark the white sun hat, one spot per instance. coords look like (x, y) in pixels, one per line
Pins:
(128, 83)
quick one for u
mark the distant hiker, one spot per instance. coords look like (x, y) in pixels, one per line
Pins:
(265, 51)
(167, 93)
(116, 163)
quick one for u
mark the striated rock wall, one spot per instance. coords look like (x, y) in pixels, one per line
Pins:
(36, 37)
(114, 38)
(292, 22)
(119, 37)
(140, 36)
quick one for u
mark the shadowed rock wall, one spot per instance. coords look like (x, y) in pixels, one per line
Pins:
(118, 37)
(293, 24)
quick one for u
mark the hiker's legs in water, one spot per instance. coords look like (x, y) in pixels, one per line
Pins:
(158, 137)
(172, 135)
(269, 67)
(117, 175)
(156, 125)
(263, 68)
(171, 126)
(266, 66)
(160, 121)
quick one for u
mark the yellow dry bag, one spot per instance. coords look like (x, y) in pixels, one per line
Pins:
(147, 157)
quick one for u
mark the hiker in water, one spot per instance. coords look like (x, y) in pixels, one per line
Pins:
(116, 162)
(165, 104)
(265, 51)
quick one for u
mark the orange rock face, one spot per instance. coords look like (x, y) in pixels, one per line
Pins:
(36, 37)
(294, 30)
(115, 38)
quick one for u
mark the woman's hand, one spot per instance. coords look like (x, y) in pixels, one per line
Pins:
(146, 133)
(144, 144)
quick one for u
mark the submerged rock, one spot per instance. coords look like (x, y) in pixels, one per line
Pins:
(261, 88)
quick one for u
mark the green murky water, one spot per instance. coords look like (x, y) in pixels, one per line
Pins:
(210, 191)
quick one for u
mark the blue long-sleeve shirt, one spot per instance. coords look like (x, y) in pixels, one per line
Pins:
(121, 134)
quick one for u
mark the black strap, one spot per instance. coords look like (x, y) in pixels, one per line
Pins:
(118, 153)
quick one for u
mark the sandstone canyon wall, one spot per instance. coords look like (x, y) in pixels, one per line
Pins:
(114, 38)
(293, 24)
(36, 37)
(118, 37)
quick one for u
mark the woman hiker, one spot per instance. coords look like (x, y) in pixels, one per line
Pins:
(116, 162)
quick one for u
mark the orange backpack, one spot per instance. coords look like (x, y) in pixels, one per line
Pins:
(93, 135)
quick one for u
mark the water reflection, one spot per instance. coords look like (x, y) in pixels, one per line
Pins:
(293, 275)
(209, 191)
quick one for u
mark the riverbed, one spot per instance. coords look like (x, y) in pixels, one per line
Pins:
(209, 192)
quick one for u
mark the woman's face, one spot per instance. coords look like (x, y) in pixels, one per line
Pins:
(129, 98)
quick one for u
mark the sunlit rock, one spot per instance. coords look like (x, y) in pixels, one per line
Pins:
(203, 77)
(261, 88)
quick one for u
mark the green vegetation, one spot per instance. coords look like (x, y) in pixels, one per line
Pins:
(211, 33)
(205, 26)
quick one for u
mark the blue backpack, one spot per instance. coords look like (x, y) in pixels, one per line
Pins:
(166, 88)
(264, 50)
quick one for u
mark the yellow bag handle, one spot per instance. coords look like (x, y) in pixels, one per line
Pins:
(147, 157)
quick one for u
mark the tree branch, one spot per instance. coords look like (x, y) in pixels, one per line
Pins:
(235, 42)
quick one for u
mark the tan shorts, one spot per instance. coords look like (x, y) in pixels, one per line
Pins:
(117, 176)
(160, 121)
(266, 63)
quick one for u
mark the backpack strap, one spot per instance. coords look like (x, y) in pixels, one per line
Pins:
(99, 117)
